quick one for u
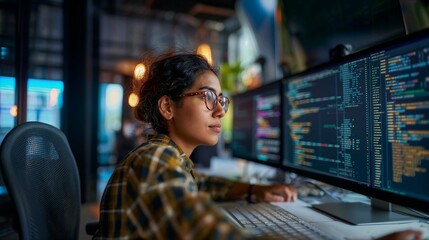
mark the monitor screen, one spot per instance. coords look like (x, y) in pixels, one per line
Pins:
(256, 130)
(362, 123)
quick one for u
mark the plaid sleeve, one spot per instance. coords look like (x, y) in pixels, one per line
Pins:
(153, 197)
(217, 187)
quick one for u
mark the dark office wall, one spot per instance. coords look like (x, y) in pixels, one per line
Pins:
(318, 26)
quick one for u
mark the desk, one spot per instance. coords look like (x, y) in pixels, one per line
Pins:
(348, 231)
(234, 169)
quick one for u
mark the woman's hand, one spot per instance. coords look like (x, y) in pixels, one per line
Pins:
(403, 235)
(274, 193)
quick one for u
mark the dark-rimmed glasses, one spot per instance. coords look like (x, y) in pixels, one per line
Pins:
(210, 99)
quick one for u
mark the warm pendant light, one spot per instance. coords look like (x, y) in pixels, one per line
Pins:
(205, 51)
(139, 71)
(133, 100)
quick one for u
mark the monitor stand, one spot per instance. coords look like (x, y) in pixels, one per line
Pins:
(358, 213)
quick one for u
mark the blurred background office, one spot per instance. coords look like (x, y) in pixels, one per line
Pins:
(73, 64)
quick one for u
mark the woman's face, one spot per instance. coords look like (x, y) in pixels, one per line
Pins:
(192, 123)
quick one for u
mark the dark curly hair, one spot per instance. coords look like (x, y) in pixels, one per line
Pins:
(169, 74)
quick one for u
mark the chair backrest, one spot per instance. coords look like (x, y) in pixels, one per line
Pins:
(42, 179)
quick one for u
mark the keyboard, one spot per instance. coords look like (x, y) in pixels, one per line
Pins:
(265, 219)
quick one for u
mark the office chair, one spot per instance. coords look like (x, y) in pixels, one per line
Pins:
(42, 179)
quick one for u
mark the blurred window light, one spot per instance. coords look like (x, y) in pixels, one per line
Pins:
(114, 96)
(45, 100)
(268, 5)
(4, 52)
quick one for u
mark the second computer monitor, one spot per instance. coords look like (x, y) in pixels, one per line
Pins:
(257, 121)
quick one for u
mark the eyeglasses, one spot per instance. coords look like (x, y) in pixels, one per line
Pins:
(210, 99)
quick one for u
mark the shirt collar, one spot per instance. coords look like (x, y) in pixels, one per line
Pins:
(166, 140)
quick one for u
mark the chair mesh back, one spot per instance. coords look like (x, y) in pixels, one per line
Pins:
(42, 178)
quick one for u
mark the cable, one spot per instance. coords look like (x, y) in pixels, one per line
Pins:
(420, 214)
(411, 211)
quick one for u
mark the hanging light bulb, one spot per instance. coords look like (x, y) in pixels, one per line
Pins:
(133, 100)
(139, 71)
(13, 111)
(205, 51)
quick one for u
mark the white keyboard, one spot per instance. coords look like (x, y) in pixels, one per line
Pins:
(264, 219)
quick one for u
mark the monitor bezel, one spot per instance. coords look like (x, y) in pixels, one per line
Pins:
(365, 189)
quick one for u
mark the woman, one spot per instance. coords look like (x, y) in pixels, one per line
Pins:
(154, 193)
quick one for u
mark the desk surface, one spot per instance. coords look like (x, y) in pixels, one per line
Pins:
(231, 168)
(348, 231)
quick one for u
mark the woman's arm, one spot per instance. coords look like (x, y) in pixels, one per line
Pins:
(267, 193)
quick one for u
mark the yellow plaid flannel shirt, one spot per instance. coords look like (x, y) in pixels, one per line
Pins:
(154, 194)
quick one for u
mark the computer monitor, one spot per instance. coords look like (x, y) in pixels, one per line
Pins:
(362, 123)
(256, 125)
